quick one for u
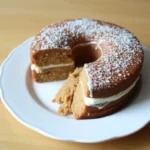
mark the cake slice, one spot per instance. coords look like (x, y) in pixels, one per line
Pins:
(65, 95)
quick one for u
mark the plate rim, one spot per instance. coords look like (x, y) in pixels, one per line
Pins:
(41, 131)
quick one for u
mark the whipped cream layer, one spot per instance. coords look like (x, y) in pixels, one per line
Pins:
(38, 69)
(89, 101)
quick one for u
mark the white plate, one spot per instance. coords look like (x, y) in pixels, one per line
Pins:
(30, 103)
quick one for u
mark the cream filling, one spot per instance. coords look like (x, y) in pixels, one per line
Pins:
(39, 69)
(95, 101)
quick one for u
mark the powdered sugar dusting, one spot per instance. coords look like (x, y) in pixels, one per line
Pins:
(121, 51)
(63, 34)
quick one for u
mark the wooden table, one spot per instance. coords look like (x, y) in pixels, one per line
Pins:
(20, 20)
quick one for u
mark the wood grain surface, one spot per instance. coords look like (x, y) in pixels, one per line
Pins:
(21, 19)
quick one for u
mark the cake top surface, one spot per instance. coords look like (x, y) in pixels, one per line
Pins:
(62, 34)
(121, 51)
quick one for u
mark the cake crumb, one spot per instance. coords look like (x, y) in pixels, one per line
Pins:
(65, 95)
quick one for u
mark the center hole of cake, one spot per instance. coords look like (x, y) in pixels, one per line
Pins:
(85, 53)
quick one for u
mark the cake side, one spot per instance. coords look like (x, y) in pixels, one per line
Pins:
(52, 74)
(82, 111)
(51, 56)
(51, 65)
